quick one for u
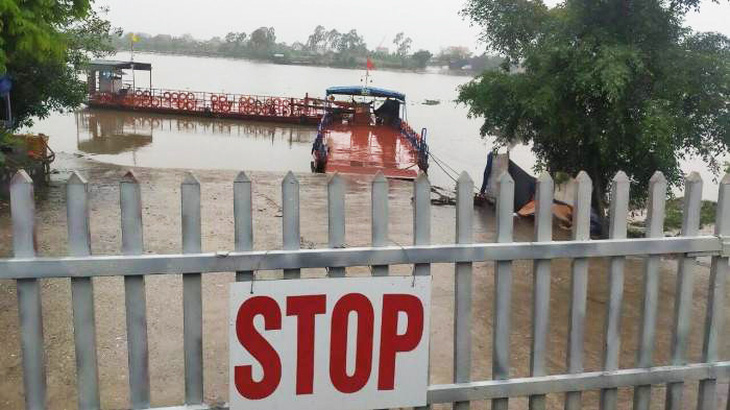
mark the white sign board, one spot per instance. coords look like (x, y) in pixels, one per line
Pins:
(334, 343)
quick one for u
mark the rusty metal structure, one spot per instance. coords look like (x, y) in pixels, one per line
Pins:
(109, 88)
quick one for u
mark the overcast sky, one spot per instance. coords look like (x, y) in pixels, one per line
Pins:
(431, 24)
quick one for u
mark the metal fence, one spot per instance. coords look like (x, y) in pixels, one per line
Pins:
(133, 265)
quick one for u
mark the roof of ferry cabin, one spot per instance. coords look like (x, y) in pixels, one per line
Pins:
(366, 92)
(108, 65)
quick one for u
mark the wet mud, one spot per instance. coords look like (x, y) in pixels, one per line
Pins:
(161, 215)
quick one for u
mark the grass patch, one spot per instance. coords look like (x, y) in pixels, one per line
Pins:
(673, 219)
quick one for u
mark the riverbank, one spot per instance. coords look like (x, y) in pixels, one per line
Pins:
(161, 216)
(314, 62)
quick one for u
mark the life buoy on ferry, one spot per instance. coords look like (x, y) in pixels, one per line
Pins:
(225, 106)
(214, 98)
(138, 93)
(251, 101)
(167, 96)
(214, 104)
(190, 105)
(155, 102)
(191, 96)
(174, 96)
(146, 94)
(278, 105)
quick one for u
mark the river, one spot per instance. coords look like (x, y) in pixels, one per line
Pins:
(134, 139)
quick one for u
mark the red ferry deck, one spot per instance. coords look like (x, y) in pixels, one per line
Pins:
(367, 149)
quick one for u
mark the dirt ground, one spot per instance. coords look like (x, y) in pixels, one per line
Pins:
(160, 189)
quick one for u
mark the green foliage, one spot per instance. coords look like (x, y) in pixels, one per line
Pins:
(322, 47)
(603, 86)
(402, 45)
(43, 44)
(674, 206)
(7, 140)
(421, 58)
(262, 41)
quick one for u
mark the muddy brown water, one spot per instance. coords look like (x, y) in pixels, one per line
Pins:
(162, 234)
(139, 139)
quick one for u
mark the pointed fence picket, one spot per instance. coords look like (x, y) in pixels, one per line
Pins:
(654, 229)
(26, 268)
(134, 294)
(541, 284)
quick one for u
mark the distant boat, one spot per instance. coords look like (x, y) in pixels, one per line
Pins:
(431, 102)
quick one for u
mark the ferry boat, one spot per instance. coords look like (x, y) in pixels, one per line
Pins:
(364, 131)
(112, 84)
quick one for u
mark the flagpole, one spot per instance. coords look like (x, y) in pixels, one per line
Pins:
(131, 58)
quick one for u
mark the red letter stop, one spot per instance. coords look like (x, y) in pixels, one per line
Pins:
(390, 341)
(259, 348)
(305, 308)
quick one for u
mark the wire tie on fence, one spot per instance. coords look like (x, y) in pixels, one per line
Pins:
(408, 261)
(724, 246)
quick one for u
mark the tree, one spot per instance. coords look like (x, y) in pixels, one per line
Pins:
(43, 46)
(455, 56)
(262, 41)
(235, 43)
(333, 40)
(421, 58)
(317, 41)
(604, 86)
(402, 45)
(352, 43)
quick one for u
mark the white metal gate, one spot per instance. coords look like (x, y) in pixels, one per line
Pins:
(81, 267)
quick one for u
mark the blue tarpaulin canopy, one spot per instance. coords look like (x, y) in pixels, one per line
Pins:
(366, 92)
(5, 84)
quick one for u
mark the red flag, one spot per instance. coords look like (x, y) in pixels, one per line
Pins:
(370, 64)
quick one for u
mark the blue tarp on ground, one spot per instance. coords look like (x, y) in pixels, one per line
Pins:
(366, 91)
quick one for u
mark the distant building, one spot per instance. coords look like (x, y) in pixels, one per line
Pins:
(382, 50)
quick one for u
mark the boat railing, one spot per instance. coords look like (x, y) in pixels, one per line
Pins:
(418, 141)
(319, 148)
(215, 103)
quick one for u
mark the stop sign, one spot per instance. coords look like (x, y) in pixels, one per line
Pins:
(335, 343)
